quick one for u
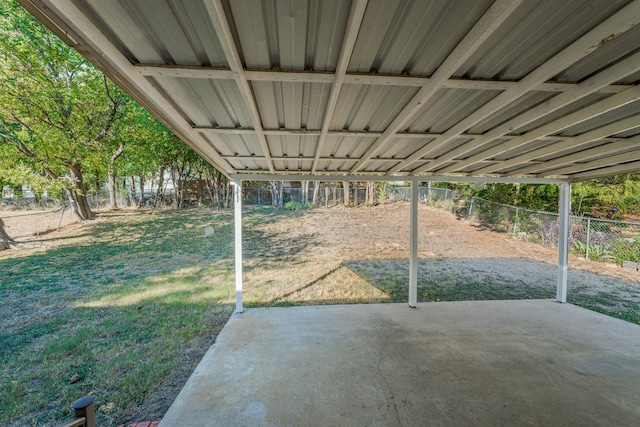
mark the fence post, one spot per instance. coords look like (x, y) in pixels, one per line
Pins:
(259, 197)
(61, 216)
(515, 222)
(473, 199)
(586, 252)
(446, 195)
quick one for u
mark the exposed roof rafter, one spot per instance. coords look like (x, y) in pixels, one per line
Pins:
(223, 31)
(604, 155)
(574, 142)
(499, 12)
(593, 110)
(616, 72)
(458, 89)
(292, 76)
(358, 8)
(617, 24)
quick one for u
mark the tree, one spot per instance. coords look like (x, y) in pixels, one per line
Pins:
(56, 108)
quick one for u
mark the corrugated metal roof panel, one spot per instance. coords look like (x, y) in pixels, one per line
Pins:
(612, 52)
(207, 102)
(629, 110)
(290, 35)
(160, 31)
(291, 105)
(403, 147)
(536, 32)
(292, 145)
(412, 37)
(447, 107)
(519, 106)
(367, 107)
(389, 40)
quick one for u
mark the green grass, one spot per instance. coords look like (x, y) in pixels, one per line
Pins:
(110, 312)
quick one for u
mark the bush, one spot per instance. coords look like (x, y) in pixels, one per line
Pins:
(292, 205)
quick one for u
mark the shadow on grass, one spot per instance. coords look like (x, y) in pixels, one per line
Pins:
(476, 279)
(124, 309)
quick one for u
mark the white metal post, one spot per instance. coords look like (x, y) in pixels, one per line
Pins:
(413, 246)
(563, 241)
(237, 208)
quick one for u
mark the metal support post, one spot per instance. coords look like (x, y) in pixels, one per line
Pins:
(563, 241)
(237, 208)
(515, 222)
(586, 251)
(413, 246)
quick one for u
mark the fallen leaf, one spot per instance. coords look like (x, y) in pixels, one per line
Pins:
(107, 407)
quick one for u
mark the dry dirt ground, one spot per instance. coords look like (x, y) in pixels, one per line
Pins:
(315, 245)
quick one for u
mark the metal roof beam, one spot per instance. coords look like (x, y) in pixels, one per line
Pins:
(294, 176)
(349, 133)
(612, 74)
(191, 72)
(623, 20)
(223, 31)
(356, 15)
(497, 14)
(608, 171)
(574, 142)
(593, 110)
(285, 158)
(604, 155)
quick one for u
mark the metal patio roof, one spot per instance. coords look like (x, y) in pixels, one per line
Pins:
(475, 88)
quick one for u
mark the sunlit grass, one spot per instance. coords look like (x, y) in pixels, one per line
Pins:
(109, 311)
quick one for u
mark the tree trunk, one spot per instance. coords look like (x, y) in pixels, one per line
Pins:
(159, 190)
(141, 200)
(5, 240)
(213, 202)
(345, 192)
(132, 192)
(111, 187)
(368, 195)
(276, 194)
(79, 195)
(316, 188)
(111, 182)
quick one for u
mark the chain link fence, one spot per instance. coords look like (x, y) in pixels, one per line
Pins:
(595, 238)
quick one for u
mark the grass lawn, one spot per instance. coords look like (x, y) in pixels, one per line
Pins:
(125, 307)
(113, 310)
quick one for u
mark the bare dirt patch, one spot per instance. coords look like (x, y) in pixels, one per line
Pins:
(304, 246)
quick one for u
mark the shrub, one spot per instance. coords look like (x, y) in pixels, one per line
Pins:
(292, 205)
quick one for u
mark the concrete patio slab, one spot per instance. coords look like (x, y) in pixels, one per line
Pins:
(446, 363)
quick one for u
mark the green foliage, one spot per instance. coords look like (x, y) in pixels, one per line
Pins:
(382, 191)
(57, 112)
(626, 250)
(292, 205)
